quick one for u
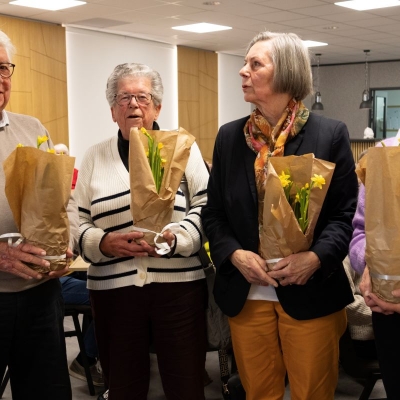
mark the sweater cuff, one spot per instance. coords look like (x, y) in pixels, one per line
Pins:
(91, 247)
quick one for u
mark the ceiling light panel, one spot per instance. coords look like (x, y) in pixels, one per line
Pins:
(51, 5)
(202, 27)
(312, 43)
(362, 5)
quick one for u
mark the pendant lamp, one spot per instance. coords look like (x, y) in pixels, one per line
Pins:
(317, 106)
(366, 101)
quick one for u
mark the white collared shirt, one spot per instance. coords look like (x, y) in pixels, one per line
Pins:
(4, 119)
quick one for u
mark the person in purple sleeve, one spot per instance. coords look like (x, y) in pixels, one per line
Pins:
(385, 315)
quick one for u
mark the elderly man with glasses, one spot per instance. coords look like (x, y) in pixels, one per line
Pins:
(32, 343)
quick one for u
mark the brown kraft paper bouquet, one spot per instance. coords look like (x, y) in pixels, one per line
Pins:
(282, 232)
(380, 173)
(152, 209)
(38, 187)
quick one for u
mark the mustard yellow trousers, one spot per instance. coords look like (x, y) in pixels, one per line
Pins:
(267, 343)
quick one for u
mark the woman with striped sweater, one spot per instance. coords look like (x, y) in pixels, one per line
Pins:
(139, 298)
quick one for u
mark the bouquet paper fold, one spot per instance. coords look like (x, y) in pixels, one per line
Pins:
(280, 233)
(38, 187)
(380, 173)
(150, 209)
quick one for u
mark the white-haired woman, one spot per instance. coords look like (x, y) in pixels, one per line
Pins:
(289, 319)
(138, 298)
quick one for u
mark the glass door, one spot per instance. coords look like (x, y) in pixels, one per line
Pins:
(380, 117)
(385, 115)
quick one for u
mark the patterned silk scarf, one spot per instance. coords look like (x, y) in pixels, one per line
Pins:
(268, 141)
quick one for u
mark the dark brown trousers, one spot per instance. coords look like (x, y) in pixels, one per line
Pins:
(168, 316)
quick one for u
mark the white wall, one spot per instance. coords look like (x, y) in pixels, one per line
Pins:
(231, 105)
(91, 57)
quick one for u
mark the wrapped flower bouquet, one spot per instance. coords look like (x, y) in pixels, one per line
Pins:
(38, 187)
(157, 162)
(380, 173)
(295, 191)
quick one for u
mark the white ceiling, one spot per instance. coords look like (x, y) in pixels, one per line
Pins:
(376, 30)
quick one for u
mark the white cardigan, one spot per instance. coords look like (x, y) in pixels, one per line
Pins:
(103, 196)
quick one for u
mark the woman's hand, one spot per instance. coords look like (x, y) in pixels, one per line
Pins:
(168, 236)
(295, 269)
(373, 301)
(13, 259)
(252, 267)
(117, 244)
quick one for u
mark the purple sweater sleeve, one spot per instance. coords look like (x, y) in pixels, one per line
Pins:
(357, 244)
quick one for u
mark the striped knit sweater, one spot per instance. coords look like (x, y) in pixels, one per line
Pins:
(103, 196)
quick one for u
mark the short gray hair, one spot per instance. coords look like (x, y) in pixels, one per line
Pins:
(5, 42)
(134, 70)
(291, 61)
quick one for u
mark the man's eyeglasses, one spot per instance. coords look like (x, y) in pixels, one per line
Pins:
(142, 99)
(6, 69)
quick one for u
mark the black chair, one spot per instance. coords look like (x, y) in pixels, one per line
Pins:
(74, 310)
(5, 378)
(365, 370)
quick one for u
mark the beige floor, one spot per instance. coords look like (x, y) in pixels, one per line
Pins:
(347, 389)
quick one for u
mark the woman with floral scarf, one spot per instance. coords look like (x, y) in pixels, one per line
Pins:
(290, 319)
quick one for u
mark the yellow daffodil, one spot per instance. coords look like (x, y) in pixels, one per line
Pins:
(318, 181)
(20, 145)
(300, 200)
(286, 183)
(41, 140)
(52, 151)
(285, 179)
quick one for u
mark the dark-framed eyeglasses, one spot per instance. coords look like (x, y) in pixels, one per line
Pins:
(6, 69)
(143, 99)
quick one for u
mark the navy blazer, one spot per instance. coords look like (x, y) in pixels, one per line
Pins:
(231, 223)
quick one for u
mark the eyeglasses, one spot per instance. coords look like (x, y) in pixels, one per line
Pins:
(143, 99)
(6, 69)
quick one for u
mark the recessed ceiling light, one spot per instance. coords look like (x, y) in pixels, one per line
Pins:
(330, 27)
(312, 43)
(361, 5)
(51, 5)
(202, 27)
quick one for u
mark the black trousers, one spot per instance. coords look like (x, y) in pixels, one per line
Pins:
(32, 343)
(170, 316)
(387, 339)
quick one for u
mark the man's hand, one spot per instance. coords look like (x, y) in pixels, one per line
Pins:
(62, 272)
(13, 260)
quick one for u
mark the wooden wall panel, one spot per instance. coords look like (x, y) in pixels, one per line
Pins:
(198, 96)
(39, 83)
